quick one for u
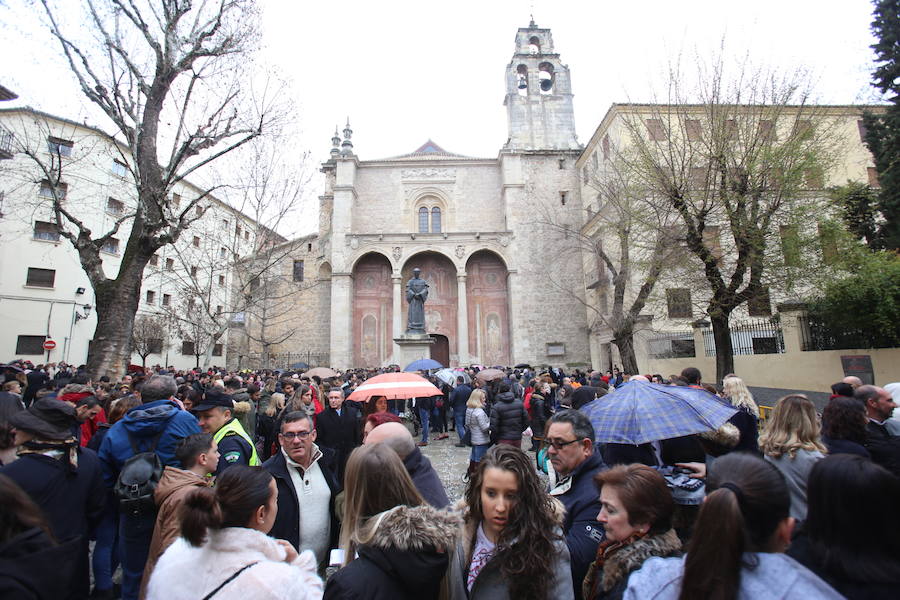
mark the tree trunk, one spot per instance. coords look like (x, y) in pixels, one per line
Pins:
(110, 351)
(625, 344)
(144, 361)
(724, 349)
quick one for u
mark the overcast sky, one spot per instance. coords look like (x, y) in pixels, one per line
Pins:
(406, 71)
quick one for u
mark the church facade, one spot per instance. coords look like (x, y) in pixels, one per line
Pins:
(490, 236)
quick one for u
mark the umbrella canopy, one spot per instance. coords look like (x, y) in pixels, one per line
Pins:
(394, 386)
(423, 364)
(641, 412)
(449, 376)
(522, 366)
(321, 372)
(300, 365)
(490, 374)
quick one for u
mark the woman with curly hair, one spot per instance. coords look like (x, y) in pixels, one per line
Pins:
(844, 426)
(511, 544)
(791, 442)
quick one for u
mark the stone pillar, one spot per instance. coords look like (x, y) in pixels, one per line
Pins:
(462, 320)
(341, 325)
(699, 327)
(397, 325)
(519, 349)
(792, 325)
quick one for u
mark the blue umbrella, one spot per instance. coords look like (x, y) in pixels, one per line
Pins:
(641, 412)
(423, 364)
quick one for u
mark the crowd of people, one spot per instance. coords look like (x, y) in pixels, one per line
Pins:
(267, 484)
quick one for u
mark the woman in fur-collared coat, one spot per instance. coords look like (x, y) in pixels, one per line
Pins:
(636, 514)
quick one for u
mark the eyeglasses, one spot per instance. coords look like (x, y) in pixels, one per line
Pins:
(560, 445)
(290, 435)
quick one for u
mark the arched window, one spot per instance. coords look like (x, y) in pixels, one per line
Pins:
(522, 80)
(436, 220)
(423, 220)
(545, 75)
(534, 45)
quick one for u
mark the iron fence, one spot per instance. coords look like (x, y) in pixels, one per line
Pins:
(672, 344)
(283, 360)
(816, 334)
(749, 337)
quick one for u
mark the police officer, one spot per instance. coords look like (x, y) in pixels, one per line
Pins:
(216, 415)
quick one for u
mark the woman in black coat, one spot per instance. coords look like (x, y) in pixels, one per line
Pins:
(844, 426)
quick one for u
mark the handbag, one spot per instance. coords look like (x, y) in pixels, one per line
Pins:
(467, 438)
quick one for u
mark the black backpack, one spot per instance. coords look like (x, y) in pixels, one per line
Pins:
(138, 479)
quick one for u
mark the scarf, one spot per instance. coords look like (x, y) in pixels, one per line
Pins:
(593, 581)
(55, 449)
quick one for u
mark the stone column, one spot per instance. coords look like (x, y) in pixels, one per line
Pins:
(462, 320)
(793, 325)
(341, 325)
(397, 324)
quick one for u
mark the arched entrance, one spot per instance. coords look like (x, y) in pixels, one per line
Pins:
(487, 297)
(441, 306)
(372, 311)
(440, 349)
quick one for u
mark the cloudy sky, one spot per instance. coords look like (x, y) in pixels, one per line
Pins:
(405, 71)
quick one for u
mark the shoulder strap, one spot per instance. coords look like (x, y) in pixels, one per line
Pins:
(153, 442)
(229, 580)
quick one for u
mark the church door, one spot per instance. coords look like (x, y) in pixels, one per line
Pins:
(440, 350)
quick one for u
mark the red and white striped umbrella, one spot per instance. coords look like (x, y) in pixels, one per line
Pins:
(394, 386)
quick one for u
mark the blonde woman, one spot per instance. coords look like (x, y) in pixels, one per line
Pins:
(746, 419)
(266, 430)
(479, 424)
(395, 544)
(791, 442)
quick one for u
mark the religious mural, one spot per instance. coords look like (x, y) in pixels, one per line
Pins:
(372, 311)
(488, 304)
(440, 309)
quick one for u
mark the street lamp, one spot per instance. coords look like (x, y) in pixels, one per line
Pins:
(87, 312)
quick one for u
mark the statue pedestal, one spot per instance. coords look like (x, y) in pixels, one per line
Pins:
(413, 346)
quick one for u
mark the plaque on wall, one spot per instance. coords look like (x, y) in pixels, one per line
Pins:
(556, 349)
(859, 365)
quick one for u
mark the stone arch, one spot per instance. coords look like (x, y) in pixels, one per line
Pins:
(325, 271)
(372, 311)
(442, 304)
(487, 299)
(492, 249)
(354, 260)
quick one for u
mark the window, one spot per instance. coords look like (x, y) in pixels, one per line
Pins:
(698, 178)
(423, 220)
(187, 348)
(176, 201)
(237, 230)
(59, 146)
(872, 173)
(309, 247)
(828, 243)
(563, 196)
(679, 303)
(562, 163)
(44, 230)
(155, 345)
(196, 241)
(730, 128)
(150, 297)
(47, 190)
(712, 241)
(861, 125)
(110, 246)
(44, 278)
(605, 145)
(225, 223)
(298, 270)
(170, 264)
(655, 130)
(217, 350)
(436, 220)
(767, 130)
(790, 245)
(219, 309)
(114, 207)
(760, 305)
(30, 344)
(167, 300)
(119, 168)
(247, 235)
(813, 178)
(254, 284)
(693, 129)
(154, 261)
(194, 272)
(556, 349)
(586, 175)
(221, 281)
(199, 210)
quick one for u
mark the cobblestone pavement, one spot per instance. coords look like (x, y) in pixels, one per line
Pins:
(450, 463)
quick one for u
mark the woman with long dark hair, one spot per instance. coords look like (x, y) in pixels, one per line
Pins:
(395, 545)
(844, 426)
(511, 544)
(736, 551)
(858, 561)
(224, 550)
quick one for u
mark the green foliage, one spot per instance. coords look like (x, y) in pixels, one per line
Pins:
(867, 300)
(857, 203)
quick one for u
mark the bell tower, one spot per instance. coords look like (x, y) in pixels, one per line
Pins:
(538, 95)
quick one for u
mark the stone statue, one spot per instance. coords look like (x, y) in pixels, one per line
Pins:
(416, 295)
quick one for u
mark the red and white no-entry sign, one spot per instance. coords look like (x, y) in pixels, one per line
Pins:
(49, 345)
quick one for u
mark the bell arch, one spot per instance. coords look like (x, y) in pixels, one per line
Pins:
(372, 310)
(487, 299)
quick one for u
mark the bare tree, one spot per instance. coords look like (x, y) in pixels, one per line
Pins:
(167, 74)
(743, 156)
(149, 336)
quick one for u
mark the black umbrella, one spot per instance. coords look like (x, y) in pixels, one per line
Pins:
(522, 366)
(300, 365)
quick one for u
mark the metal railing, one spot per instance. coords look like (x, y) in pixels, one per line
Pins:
(818, 335)
(672, 344)
(749, 337)
(6, 143)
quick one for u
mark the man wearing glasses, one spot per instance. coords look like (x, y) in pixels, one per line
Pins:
(571, 449)
(307, 487)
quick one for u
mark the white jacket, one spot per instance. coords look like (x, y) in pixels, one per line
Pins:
(189, 573)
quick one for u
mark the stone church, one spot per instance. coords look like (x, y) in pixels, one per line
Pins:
(489, 235)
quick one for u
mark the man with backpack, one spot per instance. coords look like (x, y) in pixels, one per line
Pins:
(133, 455)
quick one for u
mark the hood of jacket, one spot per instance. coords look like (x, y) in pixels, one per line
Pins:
(411, 544)
(149, 419)
(621, 563)
(27, 558)
(173, 480)
(505, 397)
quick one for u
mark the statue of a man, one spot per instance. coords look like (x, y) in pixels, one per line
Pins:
(416, 295)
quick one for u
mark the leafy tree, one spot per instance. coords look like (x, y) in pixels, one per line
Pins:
(883, 130)
(858, 206)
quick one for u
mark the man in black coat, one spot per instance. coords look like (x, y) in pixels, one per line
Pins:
(884, 447)
(37, 379)
(62, 478)
(338, 427)
(508, 418)
(424, 477)
(458, 399)
(307, 488)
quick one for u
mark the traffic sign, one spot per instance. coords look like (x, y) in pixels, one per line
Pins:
(49, 345)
